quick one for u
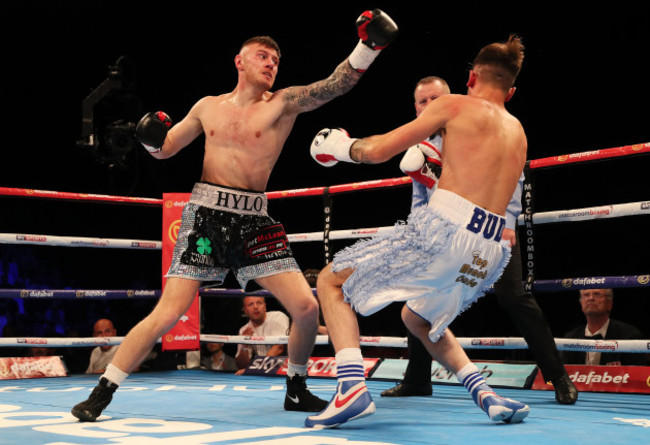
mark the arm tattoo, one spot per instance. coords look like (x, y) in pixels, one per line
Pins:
(316, 94)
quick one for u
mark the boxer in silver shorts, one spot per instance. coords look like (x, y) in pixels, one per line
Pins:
(244, 131)
(225, 229)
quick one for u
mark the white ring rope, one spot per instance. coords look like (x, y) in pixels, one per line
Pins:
(571, 215)
(72, 241)
(76, 241)
(563, 344)
(338, 234)
(589, 213)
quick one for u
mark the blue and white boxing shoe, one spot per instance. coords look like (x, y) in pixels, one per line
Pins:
(501, 409)
(351, 401)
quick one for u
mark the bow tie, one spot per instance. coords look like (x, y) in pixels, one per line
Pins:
(595, 337)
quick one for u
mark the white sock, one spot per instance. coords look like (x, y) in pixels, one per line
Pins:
(293, 369)
(349, 365)
(468, 369)
(114, 374)
(474, 382)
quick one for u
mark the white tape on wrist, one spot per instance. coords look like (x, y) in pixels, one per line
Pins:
(362, 56)
(151, 149)
(342, 151)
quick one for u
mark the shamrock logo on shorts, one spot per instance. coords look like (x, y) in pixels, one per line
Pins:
(203, 246)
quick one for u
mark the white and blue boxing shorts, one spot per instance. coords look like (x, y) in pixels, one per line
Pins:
(440, 262)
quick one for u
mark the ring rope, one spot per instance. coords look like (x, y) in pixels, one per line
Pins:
(553, 285)
(78, 294)
(314, 191)
(78, 241)
(70, 196)
(563, 344)
(590, 155)
(535, 163)
(607, 211)
(590, 213)
(582, 214)
(116, 243)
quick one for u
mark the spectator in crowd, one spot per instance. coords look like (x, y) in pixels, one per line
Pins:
(217, 359)
(596, 305)
(40, 351)
(102, 355)
(261, 323)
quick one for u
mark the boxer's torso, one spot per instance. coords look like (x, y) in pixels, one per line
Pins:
(243, 140)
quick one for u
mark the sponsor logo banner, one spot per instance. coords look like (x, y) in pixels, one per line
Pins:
(316, 366)
(628, 379)
(266, 365)
(13, 368)
(495, 374)
(184, 335)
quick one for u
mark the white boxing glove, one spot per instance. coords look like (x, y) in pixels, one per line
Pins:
(332, 145)
(423, 163)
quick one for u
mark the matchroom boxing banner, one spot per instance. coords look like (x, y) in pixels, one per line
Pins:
(185, 334)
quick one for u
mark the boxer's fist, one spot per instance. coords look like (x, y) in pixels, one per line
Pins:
(422, 163)
(331, 146)
(152, 130)
(376, 29)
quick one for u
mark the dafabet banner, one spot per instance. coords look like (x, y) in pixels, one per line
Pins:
(185, 334)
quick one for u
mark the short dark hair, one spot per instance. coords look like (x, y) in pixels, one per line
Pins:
(500, 63)
(431, 79)
(263, 40)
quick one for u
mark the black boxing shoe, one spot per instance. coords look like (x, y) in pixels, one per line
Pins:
(408, 390)
(90, 409)
(566, 392)
(299, 398)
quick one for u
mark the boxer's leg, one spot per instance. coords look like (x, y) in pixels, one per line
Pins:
(292, 290)
(174, 302)
(352, 399)
(448, 352)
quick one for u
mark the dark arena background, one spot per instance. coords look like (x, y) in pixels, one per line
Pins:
(583, 87)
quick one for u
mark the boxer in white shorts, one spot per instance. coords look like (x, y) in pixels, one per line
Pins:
(464, 257)
(447, 254)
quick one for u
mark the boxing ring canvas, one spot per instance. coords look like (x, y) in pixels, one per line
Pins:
(195, 407)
